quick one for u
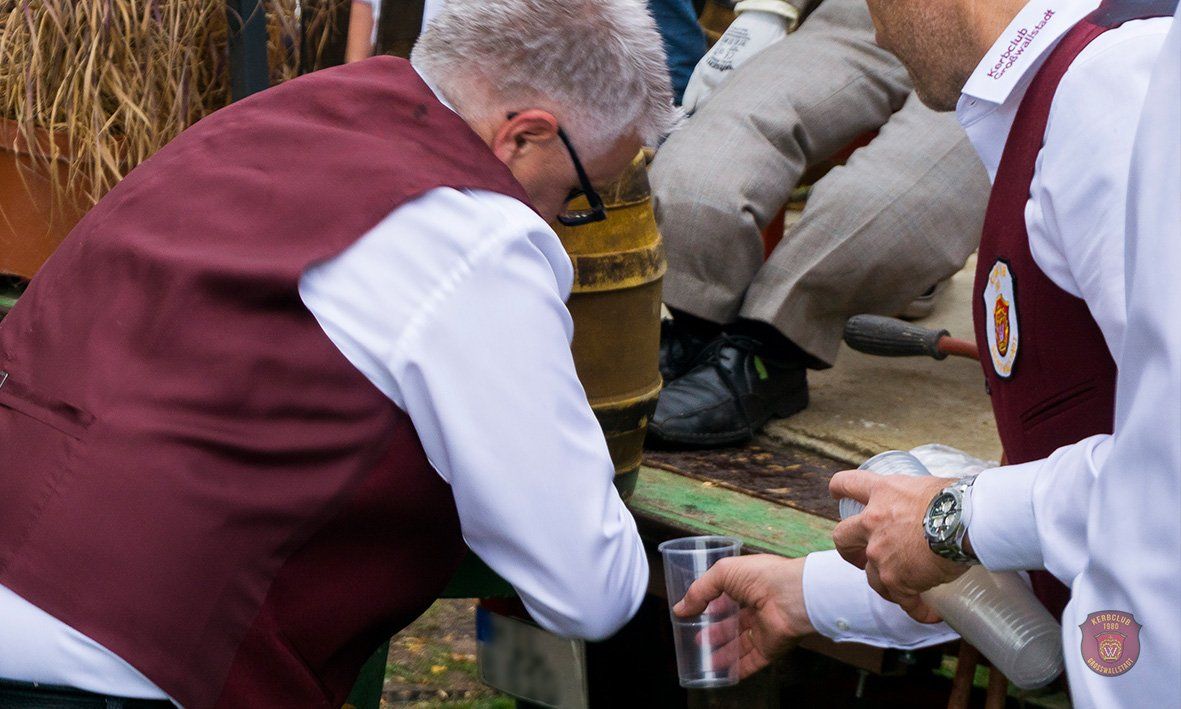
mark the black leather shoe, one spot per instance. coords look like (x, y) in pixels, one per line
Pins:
(679, 348)
(728, 396)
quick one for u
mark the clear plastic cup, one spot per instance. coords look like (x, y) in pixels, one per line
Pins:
(947, 462)
(999, 615)
(888, 463)
(707, 645)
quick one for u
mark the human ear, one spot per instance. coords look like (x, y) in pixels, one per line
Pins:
(522, 132)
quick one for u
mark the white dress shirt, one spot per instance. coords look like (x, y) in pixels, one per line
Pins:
(453, 306)
(1033, 516)
(1134, 519)
(1075, 220)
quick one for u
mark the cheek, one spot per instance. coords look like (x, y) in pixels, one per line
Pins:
(549, 207)
(548, 200)
(545, 189)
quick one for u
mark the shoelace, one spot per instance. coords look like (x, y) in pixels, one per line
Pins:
(712, 356)
(682, 345)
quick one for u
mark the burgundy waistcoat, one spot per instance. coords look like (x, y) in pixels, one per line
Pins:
(1048, 369)
(190, 472)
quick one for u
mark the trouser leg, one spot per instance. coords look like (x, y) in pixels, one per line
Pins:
(683, 38)
(903, 214)
(719, 180)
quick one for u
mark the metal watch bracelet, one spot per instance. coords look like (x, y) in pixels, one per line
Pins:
(946, 521)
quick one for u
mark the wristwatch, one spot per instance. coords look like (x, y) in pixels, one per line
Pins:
(946, 521)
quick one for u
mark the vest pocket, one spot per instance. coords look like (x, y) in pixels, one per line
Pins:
(39, 437)
(1054, 405)
(60, 415)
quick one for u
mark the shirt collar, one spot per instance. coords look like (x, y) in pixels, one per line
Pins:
(434, 88)
(1032, 33)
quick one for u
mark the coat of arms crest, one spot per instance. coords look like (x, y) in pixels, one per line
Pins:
(1110, 642)
(1000, 321)
(1000, 311)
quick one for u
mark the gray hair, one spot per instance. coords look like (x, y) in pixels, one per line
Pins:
(599, 65)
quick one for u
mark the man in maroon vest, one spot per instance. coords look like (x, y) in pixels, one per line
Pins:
(1060, 80)
(255, 405)
(1052, 108)
(1050, 93)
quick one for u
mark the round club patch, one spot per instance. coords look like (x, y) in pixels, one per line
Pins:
(1111, 642)
(1000, 312)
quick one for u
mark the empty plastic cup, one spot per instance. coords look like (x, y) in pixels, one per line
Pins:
(708, 644)
(888, 463)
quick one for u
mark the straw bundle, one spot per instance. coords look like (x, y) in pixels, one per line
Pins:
(120, 78)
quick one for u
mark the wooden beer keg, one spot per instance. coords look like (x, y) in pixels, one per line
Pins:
(618, 267)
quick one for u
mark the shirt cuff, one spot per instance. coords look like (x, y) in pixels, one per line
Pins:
(834, 596)
(1003, 528)
(842, 607)
(775, 7)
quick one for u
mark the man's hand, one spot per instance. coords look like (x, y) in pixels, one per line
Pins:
(887, 539)
(750, 33)
(770, 593)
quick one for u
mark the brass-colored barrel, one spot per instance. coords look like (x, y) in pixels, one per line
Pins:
(618, 267)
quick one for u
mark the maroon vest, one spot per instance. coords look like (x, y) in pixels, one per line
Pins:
(1048, 369)
(190, 472)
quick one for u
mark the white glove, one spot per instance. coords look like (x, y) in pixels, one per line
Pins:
(759, 24)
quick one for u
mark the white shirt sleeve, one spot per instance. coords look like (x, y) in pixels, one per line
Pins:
(1134, 527)
(1033, 516)
(843, 607)
(1045, 502)
(453, 307)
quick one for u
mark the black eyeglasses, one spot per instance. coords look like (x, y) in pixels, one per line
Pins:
(578, 217)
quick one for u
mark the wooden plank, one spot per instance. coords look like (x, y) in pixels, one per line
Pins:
(700, 507)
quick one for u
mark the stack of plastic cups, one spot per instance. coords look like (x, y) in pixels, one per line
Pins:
(994, 611)
(1000, 616)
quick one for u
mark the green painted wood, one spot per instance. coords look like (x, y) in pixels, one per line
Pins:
(366, 692)
(698, 507)
(10, 291)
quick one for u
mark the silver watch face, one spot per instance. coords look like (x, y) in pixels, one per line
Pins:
(943, 517)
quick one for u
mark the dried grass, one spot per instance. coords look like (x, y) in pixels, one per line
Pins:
(120, 78)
